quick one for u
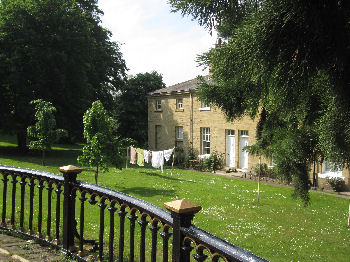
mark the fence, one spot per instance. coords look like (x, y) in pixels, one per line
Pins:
(179, 239)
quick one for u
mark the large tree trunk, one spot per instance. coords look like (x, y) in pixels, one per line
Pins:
(22, 140)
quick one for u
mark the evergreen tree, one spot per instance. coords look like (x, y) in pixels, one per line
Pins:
(291, 60)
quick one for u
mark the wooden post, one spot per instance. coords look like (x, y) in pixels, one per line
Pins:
(172, 164)
(70, 175)
(127, 156)
(349, 216)
(182, 212)
(259, 178)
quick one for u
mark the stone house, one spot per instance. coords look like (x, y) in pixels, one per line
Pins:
(176, 117)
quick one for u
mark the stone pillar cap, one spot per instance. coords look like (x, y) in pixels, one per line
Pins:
(182, 207)
(70, 169)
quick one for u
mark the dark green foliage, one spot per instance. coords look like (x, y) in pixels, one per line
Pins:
(288, 62)
(102, 146)
(180, 157)
(132, 108)
(55, 50)
(43, 134)
(213, 162)
(192, 155)
(337, 184)
(265, 170)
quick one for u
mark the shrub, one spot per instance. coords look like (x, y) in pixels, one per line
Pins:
(213, 162)
(336, 183)
(192, 155)
(265, 171)
(179, 157)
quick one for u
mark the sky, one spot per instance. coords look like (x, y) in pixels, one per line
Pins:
(154, 39)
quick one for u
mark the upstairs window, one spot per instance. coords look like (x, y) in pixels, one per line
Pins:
(204, 106)
(158, 105)
(179, 103)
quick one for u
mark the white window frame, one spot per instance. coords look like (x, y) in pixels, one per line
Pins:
(328, 171)
(179, 103)
(158, 105)
(205, 140)
(204, 107)
(244, 133)
(231, 132)
(179, 132)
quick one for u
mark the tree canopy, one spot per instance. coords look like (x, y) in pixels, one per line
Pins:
(55, 50)
(288, 63)
(132, 110)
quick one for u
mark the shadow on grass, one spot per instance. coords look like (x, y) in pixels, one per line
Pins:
(146, 191)
(164, 176)
(54, 158)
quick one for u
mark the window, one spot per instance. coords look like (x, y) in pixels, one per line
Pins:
(230, 132)
(204, 107)
(243, 132)
(158, 105)
(205, 133)
(330, 169)
(179, 133)
(179, 103)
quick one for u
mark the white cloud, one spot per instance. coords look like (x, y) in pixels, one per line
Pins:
(154, 39)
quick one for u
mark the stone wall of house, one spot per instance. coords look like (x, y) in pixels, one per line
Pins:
(192, 118)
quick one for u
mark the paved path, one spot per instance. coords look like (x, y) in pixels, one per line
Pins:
(21, 250)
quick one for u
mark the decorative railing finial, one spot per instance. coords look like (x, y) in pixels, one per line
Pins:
(70, 169)
(182, 207)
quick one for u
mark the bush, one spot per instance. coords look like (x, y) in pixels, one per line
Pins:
(179, 157)
(336, 183)
(265, 171)
(192, 155)
(213, 162)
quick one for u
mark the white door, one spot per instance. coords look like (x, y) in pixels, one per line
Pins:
(243, 158)
(230, 148)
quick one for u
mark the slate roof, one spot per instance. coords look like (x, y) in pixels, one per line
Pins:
(190, 85)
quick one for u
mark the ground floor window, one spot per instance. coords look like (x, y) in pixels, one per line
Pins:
(179, 133)
(205, 134)
(330, 169)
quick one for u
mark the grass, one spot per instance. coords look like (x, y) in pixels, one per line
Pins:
(278, 229)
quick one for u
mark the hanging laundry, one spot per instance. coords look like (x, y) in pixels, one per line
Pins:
(140, 155)
(146, 155)
(132, 155)
(168, 153)
(158, 159)
(149, 156)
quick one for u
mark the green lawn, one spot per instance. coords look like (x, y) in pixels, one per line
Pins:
(278, 229)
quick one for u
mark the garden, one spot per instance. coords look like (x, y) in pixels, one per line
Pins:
(279, 228)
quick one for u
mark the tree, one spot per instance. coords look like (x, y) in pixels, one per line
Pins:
(288, 63)
(102, 146)
(132, 108)
(43, 134)
(55, 50)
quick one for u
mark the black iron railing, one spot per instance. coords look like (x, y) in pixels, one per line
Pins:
(161, 235)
